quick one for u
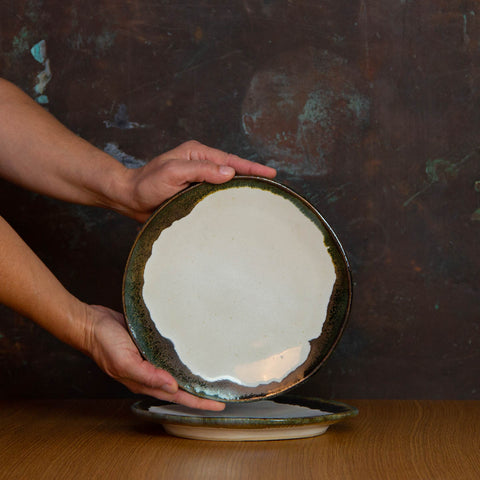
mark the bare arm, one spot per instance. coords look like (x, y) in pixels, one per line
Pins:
(25, 283)
(28, 286)
(40, 154)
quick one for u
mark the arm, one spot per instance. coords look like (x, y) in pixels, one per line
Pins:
(27, 286)
(40, 154)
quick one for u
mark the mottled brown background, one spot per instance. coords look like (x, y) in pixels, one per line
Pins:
(370, 109)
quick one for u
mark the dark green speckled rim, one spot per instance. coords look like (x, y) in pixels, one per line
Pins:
(338, 411)
(160, 351)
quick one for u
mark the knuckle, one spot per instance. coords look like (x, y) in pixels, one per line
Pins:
(190, 145)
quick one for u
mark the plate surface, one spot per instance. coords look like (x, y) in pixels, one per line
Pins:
(239, 290)
(286, 417)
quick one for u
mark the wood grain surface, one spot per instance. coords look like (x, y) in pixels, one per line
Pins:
(86, 439)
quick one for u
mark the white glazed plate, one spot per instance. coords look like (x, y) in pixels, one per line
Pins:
(241, 290)
(285, 417)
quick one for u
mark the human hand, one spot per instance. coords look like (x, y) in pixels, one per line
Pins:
(147, 187)
(112, 348)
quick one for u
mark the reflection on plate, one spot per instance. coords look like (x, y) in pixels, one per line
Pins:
(283, 418)
(239, 290)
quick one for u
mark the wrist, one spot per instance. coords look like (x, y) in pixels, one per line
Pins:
(108, 182)
(76, 327)
(115, 187)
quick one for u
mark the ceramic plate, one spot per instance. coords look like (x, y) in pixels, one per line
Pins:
(239, 290)
(283, 418)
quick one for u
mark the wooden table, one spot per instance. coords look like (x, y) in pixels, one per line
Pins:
(89, 439)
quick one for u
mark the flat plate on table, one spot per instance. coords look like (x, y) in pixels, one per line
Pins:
(240, 290)
(285, 417)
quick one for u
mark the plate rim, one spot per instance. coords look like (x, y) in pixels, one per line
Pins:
(140, 408)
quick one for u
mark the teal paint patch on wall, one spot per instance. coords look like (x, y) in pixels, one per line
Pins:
(39, 51)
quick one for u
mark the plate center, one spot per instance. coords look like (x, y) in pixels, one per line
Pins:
(240, 286)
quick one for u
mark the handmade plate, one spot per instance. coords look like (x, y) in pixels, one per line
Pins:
(284, 418)
(239, 290)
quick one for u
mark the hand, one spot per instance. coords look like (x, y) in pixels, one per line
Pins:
(165, 175)
(112, 348)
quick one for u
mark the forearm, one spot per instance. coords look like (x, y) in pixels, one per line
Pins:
(40, 154)
(28, 287)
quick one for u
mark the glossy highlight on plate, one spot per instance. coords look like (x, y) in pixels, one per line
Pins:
(239, 290)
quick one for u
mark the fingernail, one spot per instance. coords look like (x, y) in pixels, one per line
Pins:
(226, 170)
(169, 388)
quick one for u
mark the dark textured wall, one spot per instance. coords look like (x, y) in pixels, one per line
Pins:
(370, 109)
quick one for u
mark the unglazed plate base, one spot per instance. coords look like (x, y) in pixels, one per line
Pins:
(224, 434)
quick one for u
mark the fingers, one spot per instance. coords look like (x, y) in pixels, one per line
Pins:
(246, 167)
(180, 397)
(155, 382)
(147, 376)
(196, 151)
(170, 393)
(183, 172)
(184, 398)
